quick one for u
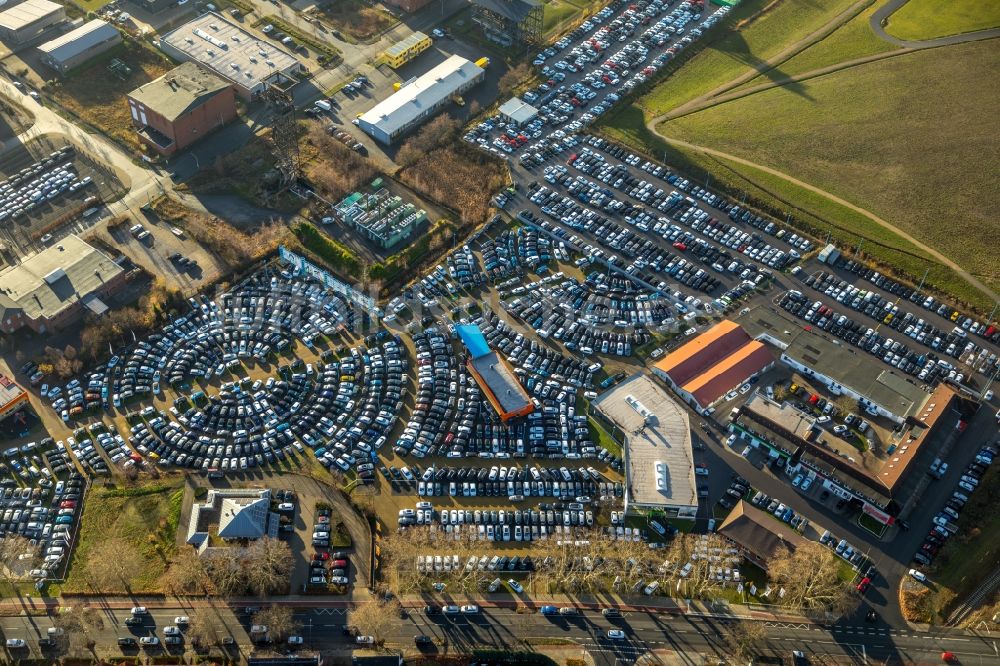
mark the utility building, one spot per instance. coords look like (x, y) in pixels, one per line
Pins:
(80, 45)
(407, 49)
(655, 435)
(179, 108)
(418, 100)
(24, 22)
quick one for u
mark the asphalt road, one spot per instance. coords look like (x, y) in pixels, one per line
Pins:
(688, 635)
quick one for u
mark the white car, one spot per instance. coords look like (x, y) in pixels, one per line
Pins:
(514, 585)
(295, 640)
(365, 640)
(616, 634)
(171, 631)
(182, 620)
(16, 643)
(918, 575)
(470, 609)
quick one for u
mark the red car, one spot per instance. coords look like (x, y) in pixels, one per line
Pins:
(339, 564)
(949, 657)
(67, 504)
(321, 556)
(680, 246)
(864, 584)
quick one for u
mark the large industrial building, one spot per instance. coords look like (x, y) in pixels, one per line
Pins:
(181, 107)
(782, 431)
(250, 64)
(27, 20)
(655, 434)
(704, 369)
(418, 100)
(494, 375)
(49, 290)
(80, 45)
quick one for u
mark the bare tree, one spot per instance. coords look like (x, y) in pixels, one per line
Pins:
(224, 568)
(279, 620)
(111, 563)
(268, 564)
(811, 579)
(203, 631)
(745, 639)
(375, 617)
(17, 558)
(186, 574)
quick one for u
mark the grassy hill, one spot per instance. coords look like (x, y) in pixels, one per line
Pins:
(911, 138)
(926, 19)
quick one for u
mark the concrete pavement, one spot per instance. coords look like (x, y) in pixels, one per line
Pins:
(685, 635)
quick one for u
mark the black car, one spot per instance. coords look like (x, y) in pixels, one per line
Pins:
(133, 622)
(127, 641)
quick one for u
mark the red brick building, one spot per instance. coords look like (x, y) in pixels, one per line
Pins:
(49, 291)
(179, 108)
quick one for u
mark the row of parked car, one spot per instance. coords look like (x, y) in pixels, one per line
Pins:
(944, 523)
(986, 330)
(955, 343)
(925, 367)
(40, 183)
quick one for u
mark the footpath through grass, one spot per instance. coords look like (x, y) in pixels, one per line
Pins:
(903, 137)
(809, 211)
(927, 19)
(855, 39)
(752, 32)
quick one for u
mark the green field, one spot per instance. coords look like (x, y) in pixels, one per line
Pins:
(809, 211)
(926, 19)
(863, 134)
(144, 518)
(854, 39)
(728, 53)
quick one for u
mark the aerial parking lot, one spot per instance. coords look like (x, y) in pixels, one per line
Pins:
(612, 379)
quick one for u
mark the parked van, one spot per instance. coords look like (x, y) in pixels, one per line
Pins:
(651, 589)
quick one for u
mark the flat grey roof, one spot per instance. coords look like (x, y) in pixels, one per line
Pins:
(663, 435)
(501, 381)
(230, 51)
(845, 364)
(399, 109)
(26, 13)
(179, 90)
(46, 283)
(77, 41)
(518, 110)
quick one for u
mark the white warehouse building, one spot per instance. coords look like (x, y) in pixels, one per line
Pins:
(418, 100)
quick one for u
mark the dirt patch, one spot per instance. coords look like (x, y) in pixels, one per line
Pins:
(96, 94)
